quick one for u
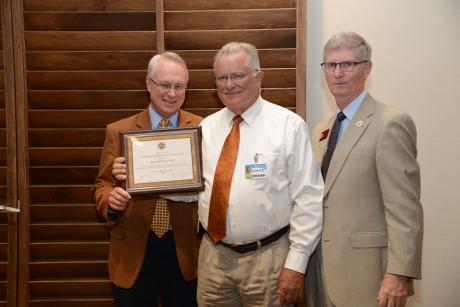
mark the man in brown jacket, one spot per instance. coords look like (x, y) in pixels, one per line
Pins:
(144, 267)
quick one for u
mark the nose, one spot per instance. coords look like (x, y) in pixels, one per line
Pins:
(338, 71)
(229, 82)
(172, 91)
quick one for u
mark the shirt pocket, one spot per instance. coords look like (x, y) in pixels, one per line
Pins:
(274, 169)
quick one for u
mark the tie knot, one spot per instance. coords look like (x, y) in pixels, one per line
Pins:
(237, 119)
(164, 123)
(341, 116)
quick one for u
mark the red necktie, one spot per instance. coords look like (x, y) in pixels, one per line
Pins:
(217, 220)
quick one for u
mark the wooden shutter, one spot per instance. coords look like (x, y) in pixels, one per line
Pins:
(81, 64)
(8, 163)
(197, 29)
(85, 67)
(3, 184)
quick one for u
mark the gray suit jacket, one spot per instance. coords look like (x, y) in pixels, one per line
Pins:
(373, 219)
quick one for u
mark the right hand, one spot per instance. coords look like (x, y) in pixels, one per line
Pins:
(118, 199)
(119, 168)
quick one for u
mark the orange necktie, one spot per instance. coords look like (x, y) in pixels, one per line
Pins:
(217, 220)
(160, 219)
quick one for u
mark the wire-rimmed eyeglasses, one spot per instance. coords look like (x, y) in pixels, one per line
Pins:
(234, 76)
(178, 87)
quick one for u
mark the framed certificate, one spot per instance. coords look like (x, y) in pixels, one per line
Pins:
(163, 160)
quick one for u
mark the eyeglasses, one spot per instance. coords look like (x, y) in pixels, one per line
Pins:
(344, 66)
(234, 76)
(178, 87)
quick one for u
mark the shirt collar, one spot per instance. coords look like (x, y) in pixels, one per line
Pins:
(155, 118)
(353, 106)
(249, 116)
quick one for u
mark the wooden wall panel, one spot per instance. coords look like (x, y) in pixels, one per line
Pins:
(197, 29)
(89, 5)
(179, 5)
(84, 67)
(100, 21)
(3, 180)
(234, 19)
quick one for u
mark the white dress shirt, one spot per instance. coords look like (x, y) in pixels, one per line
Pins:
(291, 190)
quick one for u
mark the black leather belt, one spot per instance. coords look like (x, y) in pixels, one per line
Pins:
(252, 246)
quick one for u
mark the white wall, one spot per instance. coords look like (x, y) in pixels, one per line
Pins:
(416, 67)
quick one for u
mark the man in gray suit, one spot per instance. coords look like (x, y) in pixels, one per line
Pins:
(373, 221)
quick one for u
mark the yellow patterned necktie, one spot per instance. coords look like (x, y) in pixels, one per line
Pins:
(160, 219)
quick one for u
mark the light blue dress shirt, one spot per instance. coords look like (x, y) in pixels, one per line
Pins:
(155, 118)
(349, 112)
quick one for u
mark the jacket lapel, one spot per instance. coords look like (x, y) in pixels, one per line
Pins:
(355, 130)
(143, 120)
(184, 120)
(323, 138)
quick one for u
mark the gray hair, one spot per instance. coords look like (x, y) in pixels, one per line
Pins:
(349, 40)
(151, 69)
(234, 47)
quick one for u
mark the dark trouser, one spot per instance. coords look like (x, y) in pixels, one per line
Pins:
(159, 278)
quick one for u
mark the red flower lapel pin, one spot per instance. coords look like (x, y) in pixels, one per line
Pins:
(324, 135)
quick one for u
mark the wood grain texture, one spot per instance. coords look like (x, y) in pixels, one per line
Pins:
(93, 21)
(230, 19)
(85, 65)
(89, 5)
(85, 288)
(179, 5)
(262, 39)
(62, 251)
(58, 194)
(90, 41)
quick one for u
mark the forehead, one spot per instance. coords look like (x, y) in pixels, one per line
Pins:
(341, 55)
(169, 70)
(238, 61)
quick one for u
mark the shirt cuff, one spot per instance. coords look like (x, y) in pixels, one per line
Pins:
(113, 214)
(296, 261)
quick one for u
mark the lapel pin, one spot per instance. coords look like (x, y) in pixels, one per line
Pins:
(324, 135)
(359, 123)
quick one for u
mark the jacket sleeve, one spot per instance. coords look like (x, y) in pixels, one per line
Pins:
(399, 176)
(105, 181)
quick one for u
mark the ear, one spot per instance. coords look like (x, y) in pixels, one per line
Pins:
(260, 76)
(148, 84)
(368, 69)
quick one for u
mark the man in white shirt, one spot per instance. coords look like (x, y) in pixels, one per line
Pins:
(274, 212)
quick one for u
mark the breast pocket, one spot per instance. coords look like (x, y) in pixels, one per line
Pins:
(271, 163)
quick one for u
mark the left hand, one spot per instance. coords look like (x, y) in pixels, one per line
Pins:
(393, 291)
(290, 287)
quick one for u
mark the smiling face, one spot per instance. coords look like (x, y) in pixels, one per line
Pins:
(237, 95)
(346, 86)
(166, 102)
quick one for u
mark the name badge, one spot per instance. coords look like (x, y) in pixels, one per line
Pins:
(255, 171)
